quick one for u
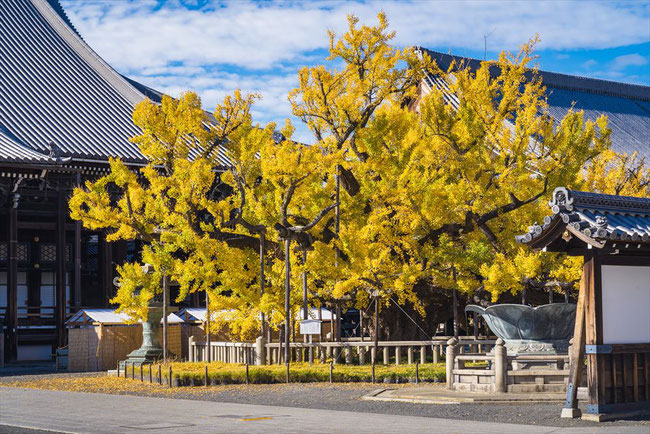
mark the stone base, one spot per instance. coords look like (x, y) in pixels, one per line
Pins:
(526, 347)
(571, 413)
(144, 355)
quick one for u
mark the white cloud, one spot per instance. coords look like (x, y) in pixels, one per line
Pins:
(622, 62)
(263, 35)
(258, 46)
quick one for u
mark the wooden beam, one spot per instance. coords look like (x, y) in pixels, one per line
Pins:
(577, 351)
(12, 285)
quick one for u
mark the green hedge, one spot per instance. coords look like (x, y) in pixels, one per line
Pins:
(193, 374)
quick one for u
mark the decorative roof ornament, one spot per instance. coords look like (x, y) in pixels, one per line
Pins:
(598, 220)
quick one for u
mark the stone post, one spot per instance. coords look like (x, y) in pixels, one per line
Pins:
(260, 351)
(398, 355)
(348, 355)
(423, 354)
(191, 348)
(386, 356)
(500, 367)
(450, 355)
(362, 355)
(409, 355)
(436, 353)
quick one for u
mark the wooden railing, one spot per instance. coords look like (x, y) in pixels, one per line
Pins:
(350, 352)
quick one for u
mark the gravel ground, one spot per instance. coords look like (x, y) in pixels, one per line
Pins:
(347, 397)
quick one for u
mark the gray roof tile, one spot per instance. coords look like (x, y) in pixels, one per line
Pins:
(627, 106)
(55, 88)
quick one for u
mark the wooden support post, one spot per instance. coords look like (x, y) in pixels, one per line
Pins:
(594, 335)
(106, 270)
(76, 289)
(577, 349)
(60, 270)
(12, 284)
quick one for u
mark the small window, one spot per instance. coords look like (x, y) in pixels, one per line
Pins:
(48, 252)
(22, 252)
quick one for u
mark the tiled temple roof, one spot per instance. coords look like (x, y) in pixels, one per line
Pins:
(598, 219)
(627, 106)
(56, 89)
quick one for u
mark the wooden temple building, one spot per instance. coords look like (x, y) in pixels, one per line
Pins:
(612, 327)
(64, 112)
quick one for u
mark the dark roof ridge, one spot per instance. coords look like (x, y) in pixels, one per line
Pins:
(56, 5)
(560, 80)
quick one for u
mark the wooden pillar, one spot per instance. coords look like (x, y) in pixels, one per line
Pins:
(594, 336)
(76, 289)
(60, 270)
(107, 270)
(12, 284)
(577, 349)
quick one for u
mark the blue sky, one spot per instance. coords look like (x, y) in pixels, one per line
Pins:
(215, 47)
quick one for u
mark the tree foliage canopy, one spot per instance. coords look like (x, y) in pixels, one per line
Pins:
(437, 177)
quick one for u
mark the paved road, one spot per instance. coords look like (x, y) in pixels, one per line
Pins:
(99, 413)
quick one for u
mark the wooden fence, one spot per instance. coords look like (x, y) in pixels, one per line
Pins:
(349, 352)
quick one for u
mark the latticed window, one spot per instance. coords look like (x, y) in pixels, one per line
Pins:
(68, 253)
(22, 251)
(4, 251)
(48, 252)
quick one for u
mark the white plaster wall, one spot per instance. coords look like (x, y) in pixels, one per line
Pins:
(626, 304)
